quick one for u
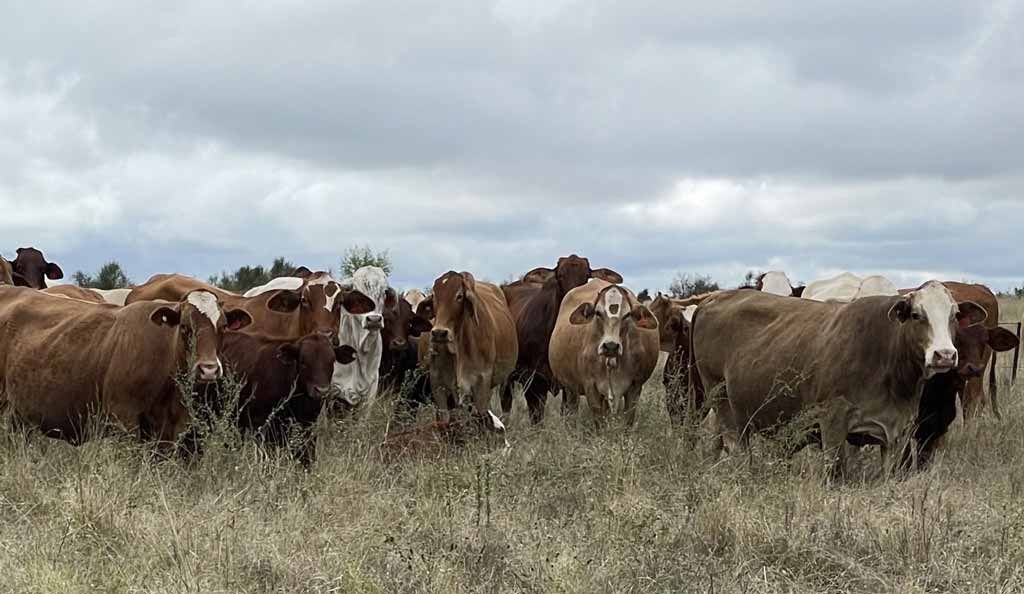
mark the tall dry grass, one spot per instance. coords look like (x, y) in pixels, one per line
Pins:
(565, 510)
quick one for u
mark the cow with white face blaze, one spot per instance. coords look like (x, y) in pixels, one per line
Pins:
(860, 368)
(604, 346)
(359, 381)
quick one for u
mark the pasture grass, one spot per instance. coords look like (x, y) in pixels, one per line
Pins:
(567, 509)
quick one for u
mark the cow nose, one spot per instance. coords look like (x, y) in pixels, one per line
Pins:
(610, 348)
(373, 321)
(971, 370)
(208, 372)
(398, 344)
(323, 391)
(439, 335)
(944, 358)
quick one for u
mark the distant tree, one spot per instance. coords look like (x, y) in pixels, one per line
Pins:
(687, 285)
(110, 276)
(750, 278)
(248, 277)
(358, 256)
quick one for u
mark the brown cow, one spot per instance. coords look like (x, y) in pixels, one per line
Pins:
(674, 332)
(285, 383)
(534, 303)
(974, 362)
(285, 313)
(6, 272)
(30, 269)
(63, 360)
(401, 327)
(75, 292)
(860, 367)
(472, 346)
(605, 346)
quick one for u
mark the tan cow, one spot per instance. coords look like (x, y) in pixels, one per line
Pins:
(857, 369)
(605, 346)
(62, 360)
(472, 347)
(283, 313)
(75, 292)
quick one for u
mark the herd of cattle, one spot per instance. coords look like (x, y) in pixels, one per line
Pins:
(867, 362)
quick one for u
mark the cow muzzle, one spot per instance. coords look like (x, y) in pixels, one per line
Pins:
(326, 392)
(208, 371)
(399, 344)
(942, 360)
(373, 322)
(971, 370)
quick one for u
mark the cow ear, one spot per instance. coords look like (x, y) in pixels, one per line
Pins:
(53, 272)
(285, 302)
(166, 316)
(469, 280)
(900, 312)
(302, 272)
(1002, 340)
(538, 275)
(390, 298)
(237, 319)
(644, 318)
(970, 314)
(356, 302)
(288, 353)
(426, 308)
(419, 325)
(344, 354)
(606, 274)
(582, 314)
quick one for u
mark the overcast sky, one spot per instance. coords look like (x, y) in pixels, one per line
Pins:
(652, 136)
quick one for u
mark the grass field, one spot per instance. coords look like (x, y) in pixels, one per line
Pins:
(565, 510)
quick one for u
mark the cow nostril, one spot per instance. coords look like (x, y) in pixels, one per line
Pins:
(439, 334)
(610, 348)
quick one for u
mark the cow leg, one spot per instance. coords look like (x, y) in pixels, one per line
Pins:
(536, 393)
(481, 398)
(629, 402)
(507, 394)
(833, 441)
(570, 402)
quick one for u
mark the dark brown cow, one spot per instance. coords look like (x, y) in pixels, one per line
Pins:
(534, 303)
(399, 357)
(974, 362)
(62, 361)
(472, 347)
(75, 292)
(285, 383)
(284, 313)
(938, 403)
(858, 368)
(30, 269)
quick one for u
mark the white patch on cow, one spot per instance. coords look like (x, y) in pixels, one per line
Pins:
(936, 302)
(613, 302)
(413, 297)
(842, 288)
(688, 312)
(288, 283)
(777, 283)
(876, 285)
(496, 423)
(359, 379)
(206, 303)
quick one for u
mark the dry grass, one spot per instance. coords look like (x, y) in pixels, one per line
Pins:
(566, 510)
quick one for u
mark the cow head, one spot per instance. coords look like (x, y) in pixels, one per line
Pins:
(30, 268)
(930, 318)
(571, 272)
(326, 299)
(400, 324)
(612, 315)
(673, 324)
(454, 302)
(372, 282)
(200, 318)
(971, 342)
(313, 357)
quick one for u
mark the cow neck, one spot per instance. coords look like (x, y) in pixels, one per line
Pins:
(550, 299)
(906, 375)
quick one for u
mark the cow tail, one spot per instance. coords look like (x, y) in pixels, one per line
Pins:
(993, 386)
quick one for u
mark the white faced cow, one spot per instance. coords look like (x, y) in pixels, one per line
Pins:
(359, 381)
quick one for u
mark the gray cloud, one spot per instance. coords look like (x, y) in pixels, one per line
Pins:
(494, 137)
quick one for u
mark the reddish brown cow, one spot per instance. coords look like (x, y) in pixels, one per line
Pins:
(472, 346)
(674, 333)
(401, 327)
(283, 313)
(30, 269)
(63, 361)
(534, 303)
(285, 383)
